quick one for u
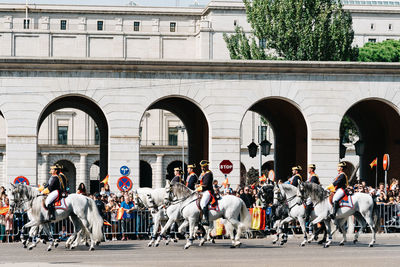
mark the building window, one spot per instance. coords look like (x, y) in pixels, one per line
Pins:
(63, 25)
(96, 136)
(235, 22)
(136, 25)
(371, 40)
(100, 25)
(26, 23)
(263, 43)
(390, 27)
(62, 135)
(172, 27)
(372, 26)
(172, 136)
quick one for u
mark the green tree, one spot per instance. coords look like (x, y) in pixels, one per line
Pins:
(252, 176)
(386, 51)
(348, 130)
(294, 30)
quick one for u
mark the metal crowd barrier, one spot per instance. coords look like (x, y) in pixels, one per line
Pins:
(140, 225)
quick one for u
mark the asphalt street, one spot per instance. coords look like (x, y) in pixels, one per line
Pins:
(253, 252)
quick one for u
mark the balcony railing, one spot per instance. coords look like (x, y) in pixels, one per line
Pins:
(169, 143)
(69, 142)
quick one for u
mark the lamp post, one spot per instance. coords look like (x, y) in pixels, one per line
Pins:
(182, 129)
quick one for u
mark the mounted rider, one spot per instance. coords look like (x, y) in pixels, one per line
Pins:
(296, 178)
(178, 175)
(313, 178)
(192, 178)
(56, 186)
(338, 186)
(206, 186)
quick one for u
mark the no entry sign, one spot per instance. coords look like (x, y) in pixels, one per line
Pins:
(226, 167)
(21, 180)
(124, 183)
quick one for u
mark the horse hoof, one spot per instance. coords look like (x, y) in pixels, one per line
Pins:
(48, 249)
(341, 244)
(186, 247)
(302, 245)
(72, 248)
(213, 241)
(232, 246)
(326, 246)
(370, 245)
(149, 245)
(238, 245)
(56, 245)
(175, 240)
(321, 242)
(91, 249)
(30, 248)
(273, 242)
(25, 246)
(355, 241)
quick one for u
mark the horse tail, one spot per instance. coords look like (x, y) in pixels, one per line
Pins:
(375, 214)
(95, 221)
(245, 217)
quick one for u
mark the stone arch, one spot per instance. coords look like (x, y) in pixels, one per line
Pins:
(146, 174)
(90, 107)
(195, 122)
(243, 174)
(378, 122)
(170, 168)
(290, 129)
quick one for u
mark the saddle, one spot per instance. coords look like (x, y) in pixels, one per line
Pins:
(345, 201)
(212, 205)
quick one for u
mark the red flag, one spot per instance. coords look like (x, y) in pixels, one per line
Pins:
(107, 223)
(225, 183)
(120, 213)
(374, 163)
(105, 180)
(4, 210)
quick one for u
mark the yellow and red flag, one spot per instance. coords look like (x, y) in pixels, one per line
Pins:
(120, 213)
(107, 223)
(220, 228)
(374, 163)
(4, 210)
(225, 183)
(105, 180)
(257, 218)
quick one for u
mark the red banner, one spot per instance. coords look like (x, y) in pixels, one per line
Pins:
(257, 218)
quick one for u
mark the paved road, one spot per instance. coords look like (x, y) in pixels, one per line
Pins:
(254, 252)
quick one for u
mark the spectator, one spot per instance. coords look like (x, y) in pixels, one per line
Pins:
(81, 189)
(62, 235)
(9, 222)
(128, 207)
(247, 197)
(113, 207)
(100, 204)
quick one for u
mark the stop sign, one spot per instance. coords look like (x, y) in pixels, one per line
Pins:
(226, 166)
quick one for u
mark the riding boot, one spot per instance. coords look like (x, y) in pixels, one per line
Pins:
(335, 209)
(52, 212)
(205, 216)
(308, 212)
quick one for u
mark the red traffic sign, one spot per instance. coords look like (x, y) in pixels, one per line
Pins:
(386, 162)
(21, 180)
(226, 167)
(124, 183)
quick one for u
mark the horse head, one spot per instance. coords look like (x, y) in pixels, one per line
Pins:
(266, 194)
(278, 196)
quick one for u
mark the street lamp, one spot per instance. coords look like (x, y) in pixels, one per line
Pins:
(265, 147)
(252, 150)
(182, 129)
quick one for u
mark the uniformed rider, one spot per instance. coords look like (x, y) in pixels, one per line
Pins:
(178, 175)
(312, 178)
(296, 178)
(338, 186)
(192, 178)
(55, 188)
(206, 186)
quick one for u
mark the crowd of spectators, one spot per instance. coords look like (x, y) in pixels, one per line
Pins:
(110, 203)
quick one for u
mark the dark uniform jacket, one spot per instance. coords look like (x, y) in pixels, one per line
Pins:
(295, 180)
(192, 180)
(57, 182)
(176, 179)
(340, 181)
(207, 182)
(314, 179)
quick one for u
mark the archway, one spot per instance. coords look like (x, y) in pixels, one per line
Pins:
(243, 174)
(171, 167)
(195, 123)
(289, 133)
(267, 166)
(70, 171)
(94, 174)
(94, 111)
(378, 125)
(146, 174)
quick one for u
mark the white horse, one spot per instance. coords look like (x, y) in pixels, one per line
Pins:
(289, 194)
(155, 200)
(83, 212)
(229, 208)
(364, 208)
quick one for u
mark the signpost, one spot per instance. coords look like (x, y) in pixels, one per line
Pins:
(124, 183)
(124, 170)
(386, 165)
(21, 180)
(226, 167)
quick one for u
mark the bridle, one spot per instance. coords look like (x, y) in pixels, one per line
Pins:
(281, 199)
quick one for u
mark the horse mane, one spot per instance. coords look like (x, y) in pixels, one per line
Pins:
(288, 188)
(315, 191)
(180, 190)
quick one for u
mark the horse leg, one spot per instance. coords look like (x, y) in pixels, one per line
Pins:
(157, 219)
(329, 229)
(192, 225)
(303, 228)
(164, 229)
(278, 231)
(363, 225)
(341, 223)
(370, 220)
(285, 223)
